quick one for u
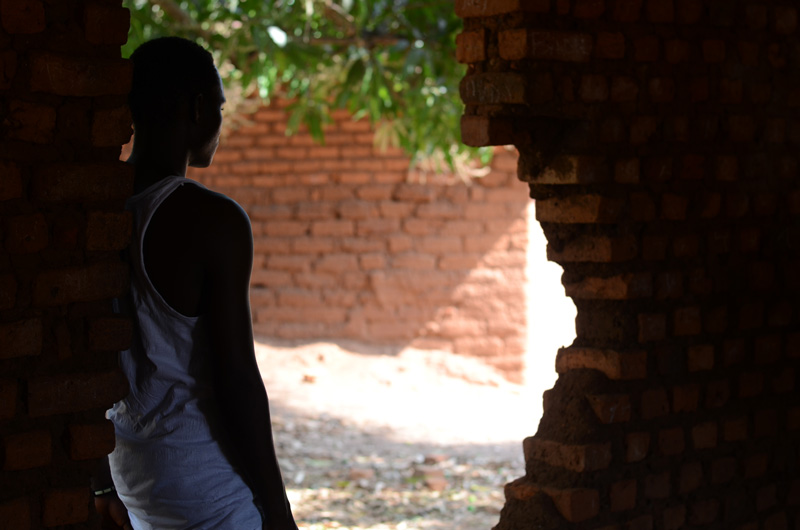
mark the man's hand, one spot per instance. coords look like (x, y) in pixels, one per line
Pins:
(113, 512)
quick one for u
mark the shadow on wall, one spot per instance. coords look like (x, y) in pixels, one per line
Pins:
(351, 245)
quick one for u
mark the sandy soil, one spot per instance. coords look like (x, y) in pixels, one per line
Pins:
(373, 438)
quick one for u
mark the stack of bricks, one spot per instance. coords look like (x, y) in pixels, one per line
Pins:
(659, 138)
(352, 244)
(62, 226)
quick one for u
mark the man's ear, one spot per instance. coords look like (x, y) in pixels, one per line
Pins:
(197, 106)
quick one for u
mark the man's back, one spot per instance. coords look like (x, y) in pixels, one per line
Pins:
(170, 432)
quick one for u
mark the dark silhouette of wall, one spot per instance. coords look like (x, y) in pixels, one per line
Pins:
(659, 139)
(62, 226)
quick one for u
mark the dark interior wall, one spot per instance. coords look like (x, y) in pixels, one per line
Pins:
(62, 122)
(659, 139)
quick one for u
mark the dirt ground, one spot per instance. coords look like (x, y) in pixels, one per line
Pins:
(373, 438)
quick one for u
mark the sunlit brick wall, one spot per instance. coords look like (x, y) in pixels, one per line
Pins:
(659, 139)
(350, 244)
(62, 121)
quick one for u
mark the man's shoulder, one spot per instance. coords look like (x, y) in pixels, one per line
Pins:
(209, 208)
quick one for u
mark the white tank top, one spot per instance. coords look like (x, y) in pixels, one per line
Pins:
(168, 467)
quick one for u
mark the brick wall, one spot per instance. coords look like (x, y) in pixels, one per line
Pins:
(62, 120)
(351, 245)
(659, 139)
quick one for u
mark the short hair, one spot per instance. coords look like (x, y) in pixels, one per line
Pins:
(167, 70)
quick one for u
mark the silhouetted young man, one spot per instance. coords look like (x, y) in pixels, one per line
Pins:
(194, 441)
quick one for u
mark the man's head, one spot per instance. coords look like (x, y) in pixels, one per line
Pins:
(175, 83)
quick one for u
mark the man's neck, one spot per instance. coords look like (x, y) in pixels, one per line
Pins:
(156, 157)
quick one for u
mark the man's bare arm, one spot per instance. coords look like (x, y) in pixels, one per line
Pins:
(240, 391)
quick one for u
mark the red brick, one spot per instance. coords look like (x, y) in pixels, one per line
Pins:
(755, 466)
(579, 209)
(655, 403)
(700, 357)
(22, 16)
(597, 249)
(645, 49)
(112, 127)
(723, 470)
(611, 408)
(676, 51)
(704, 436)
(637, 445)
(654, 248)
(713, 50)
(21, 339)
(67, 75)
(471, 46)
(8, 398)
(11, 183)
(765, 423)
(108, 230)
(767, 349)
(48, 395)
(691, 477)
(80, 284)
(643, 129)
(26, 234)
(766, 497)
(662, 90)
(488, 8)
(545, 45)
(669, 285)
(660, 11)
(110, 334)
(31, 122)
(689, 11)
(624, 89)
(573, 457)
(784, 382)
(576, 505)
(337, 263)
(75, 183)
(480, 131)
(674, 517)
(610, 45)
(106, 24)
(333, 228)
(717, 393)
(16, 514)
(621, 287)
(27, 450)
(741, 128)
(627, 10)
(65, 507)
(652, 327)
(615, 365)
(627, 171)
(589, 8)
(657, 486)
(704, 512)
(785, 20)
(671, 441)
(674, 207)
(685, 398)
(594, 88)
(622, 495)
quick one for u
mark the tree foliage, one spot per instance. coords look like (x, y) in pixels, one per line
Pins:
(392, 61)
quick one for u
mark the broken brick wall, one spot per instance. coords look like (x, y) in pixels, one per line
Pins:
(659, 139)
(351, 244)
(62, 226)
